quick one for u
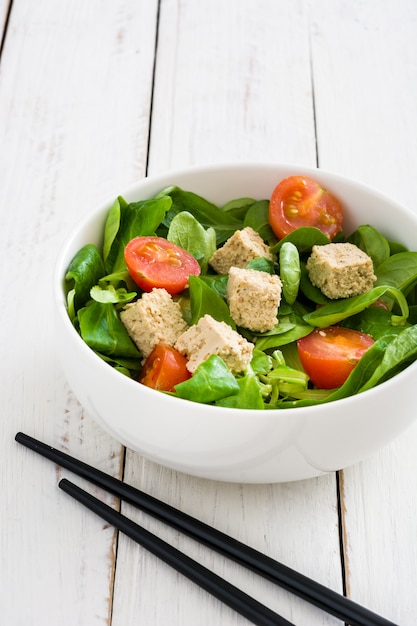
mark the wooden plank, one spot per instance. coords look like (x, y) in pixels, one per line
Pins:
(365, 77)
(4, 9)
(73, 129)
(279, 520)
(232, 83)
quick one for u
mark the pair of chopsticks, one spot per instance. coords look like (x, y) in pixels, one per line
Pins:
(300, 585)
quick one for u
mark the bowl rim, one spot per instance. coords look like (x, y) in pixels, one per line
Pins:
(103, 206)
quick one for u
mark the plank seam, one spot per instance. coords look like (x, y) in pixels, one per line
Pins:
(313, 96)
(158, 13)
(5, 30)
(341, 510)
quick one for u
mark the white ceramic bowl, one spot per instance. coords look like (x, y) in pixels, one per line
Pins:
(227, 444)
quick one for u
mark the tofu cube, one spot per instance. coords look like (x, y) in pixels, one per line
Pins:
(209, 337)
(241, 248)
(340, 270)
(253, 298)
(154, 318)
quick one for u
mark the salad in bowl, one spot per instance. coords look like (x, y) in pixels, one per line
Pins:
(244, 322)
(256, 304)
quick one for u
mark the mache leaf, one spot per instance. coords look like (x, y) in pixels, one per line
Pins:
(187, 233)
(102, 330)
(137, 219)
(211, 381)
(338, 310)
(84, 271)
(205, 301)
(207, 213)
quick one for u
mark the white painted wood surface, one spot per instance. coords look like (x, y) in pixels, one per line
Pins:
(4, 8)
(365, 71)
(84, 88)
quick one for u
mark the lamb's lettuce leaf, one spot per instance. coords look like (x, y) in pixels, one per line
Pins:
(102, 330)
(402, 350)
(187, 233)
(238, 207)
(205, 301)
(304, 238)
(207, 213)
(289, 271)
(211, 381)
(249, 395)
(126, 221)
(399, 271)
(112, 225)
(109, 293)
(375, 245)
(257, 218)
(338, 310)
(262, 264)
(84, 271)
(374, 321)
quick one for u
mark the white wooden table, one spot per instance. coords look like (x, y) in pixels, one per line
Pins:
(93, 96)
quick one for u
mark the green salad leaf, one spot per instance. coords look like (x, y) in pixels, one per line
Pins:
(290, 271)
(338, 310)
(98, 286)
(207, 213)
(399, 271)
(401, 350)
(249, 395)
(187, 233)
(304, 238)
(211, 381)
(375, 245)
(257, 218)
(206, 301)
(136, 219)
(84, 271)
(102, 330)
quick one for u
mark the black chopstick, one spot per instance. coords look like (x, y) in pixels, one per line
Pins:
(247, 606)
(300, 585)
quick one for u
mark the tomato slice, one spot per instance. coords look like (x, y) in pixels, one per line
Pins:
(328, 355)
(156, 262)
(164, 368)
(300, 201)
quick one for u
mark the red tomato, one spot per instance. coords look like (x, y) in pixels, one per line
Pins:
(156, 262)
(299, 201)
(164, 368)
(328, 355)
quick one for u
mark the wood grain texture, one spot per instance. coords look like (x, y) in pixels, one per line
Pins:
(73, 129)
(4, 9)
(365, 79)
(280, 520)
(287, 80)
(233, 82)
(227, 87)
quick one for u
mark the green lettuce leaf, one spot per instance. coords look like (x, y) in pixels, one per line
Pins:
(211, 381)
(102, 330)
(84, 271)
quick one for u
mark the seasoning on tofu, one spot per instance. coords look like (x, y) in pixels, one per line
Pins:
(253, 297)
(340, 270)
(209, 337)
(241, 248)
(154, 318)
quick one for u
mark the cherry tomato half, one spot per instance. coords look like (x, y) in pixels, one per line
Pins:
(164, 368)
(300, 201)
(156, 262)
(328, 355)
